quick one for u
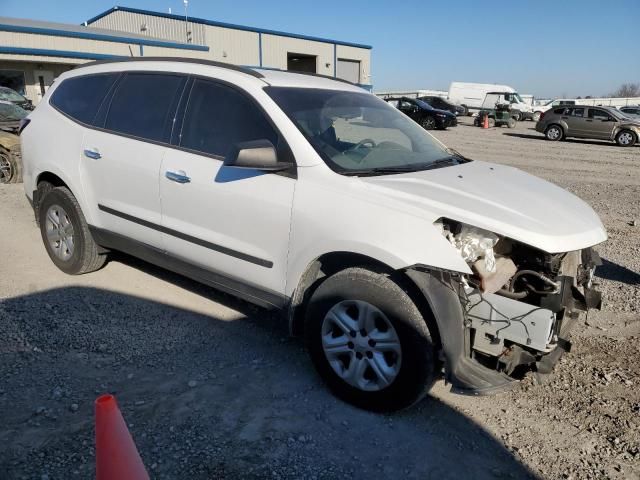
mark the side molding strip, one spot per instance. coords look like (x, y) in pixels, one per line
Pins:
(197, 241)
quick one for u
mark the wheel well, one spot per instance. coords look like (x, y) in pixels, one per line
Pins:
(45, 177)
(51, 178)
(331, 263)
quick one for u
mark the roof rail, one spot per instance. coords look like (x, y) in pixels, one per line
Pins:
(311, 74)
(229, 66)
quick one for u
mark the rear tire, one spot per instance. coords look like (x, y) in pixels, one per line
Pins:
(554, 133)
(511, 123)
(10, 167)
(369, 342)
(626, 138)
(65, 233)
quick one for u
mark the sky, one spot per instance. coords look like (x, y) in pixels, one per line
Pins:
(548, 48)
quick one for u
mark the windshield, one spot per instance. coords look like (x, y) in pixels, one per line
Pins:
(518, 97)
(10, 95)
(11, 112)
(358, 133)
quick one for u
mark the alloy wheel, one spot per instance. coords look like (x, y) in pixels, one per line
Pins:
(6, 170)
(625, 138)
(59, 231)
(361, 345)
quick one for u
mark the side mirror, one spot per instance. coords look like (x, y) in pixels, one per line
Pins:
(256, 155)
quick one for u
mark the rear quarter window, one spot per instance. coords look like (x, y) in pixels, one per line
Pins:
(559, 111)
(80, 97)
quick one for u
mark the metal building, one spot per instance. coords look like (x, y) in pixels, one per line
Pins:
(34, 53)
(247, 45)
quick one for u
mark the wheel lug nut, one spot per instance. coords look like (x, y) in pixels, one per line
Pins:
(358, 355)
(363, 332)
(369, 355)
(350, 345)
(352, 333)
(372, 342)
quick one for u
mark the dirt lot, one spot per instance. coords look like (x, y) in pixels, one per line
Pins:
(214, 388)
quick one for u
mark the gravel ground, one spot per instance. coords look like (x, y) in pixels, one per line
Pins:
(214, 388)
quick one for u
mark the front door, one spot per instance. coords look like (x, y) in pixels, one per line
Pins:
(121, 162)
(43, 80)
(600, 124)
(231, 222)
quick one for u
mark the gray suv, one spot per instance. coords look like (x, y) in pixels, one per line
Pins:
(603, 123)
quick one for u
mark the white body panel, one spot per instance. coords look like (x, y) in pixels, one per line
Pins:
(239, 210)
(124, 178)
(594, 102)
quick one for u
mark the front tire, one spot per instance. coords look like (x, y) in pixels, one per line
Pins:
(626, 138)
(554, 133)
(536, 116)
(369, 342)
(428, 123)
(511, 123)
(66, 235)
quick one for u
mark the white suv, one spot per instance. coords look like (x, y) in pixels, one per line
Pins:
(398, 258)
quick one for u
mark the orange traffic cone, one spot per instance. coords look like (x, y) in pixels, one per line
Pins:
(116, 455)
(485, 123)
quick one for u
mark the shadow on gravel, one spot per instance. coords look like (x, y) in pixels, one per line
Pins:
(618, 273)
(204, 398)
(567, 140)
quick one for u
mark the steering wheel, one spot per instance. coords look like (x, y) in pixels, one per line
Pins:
(362, 143)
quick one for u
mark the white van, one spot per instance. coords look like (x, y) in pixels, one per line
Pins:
(472, 95)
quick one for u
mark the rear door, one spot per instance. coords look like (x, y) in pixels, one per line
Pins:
(122, 157)
(231, 223)
(575, 120)
(600, 124)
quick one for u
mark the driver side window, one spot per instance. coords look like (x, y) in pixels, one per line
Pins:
(598, 114)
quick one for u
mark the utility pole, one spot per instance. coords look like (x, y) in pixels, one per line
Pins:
(186, 21)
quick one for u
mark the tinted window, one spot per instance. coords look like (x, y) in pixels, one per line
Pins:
(576, 112)
(598, 114)
(218, 117)
(143, 104)
(80, 97)
(559, 111)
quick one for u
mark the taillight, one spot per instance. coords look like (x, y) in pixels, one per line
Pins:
(541, 116)
(23, 124)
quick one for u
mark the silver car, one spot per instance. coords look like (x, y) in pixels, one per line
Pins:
(580, 121)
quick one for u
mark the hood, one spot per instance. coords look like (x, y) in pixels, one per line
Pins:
(501, 199)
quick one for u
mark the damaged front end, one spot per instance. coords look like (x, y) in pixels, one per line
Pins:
(512, 314)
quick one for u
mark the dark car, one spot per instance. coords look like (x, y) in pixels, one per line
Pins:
(444, 104)
(10, 116)
(14, 97)
(423, 113)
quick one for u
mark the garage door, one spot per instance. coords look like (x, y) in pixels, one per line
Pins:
(349, 70)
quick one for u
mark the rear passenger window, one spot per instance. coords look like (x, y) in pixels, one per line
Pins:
(576, 112)
(80, 97)
(218, 117)
(143, 105)
(560, 111)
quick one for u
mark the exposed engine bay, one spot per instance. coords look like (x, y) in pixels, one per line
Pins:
(520, 302)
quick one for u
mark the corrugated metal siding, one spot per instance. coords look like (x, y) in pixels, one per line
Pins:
(36, 41)
(157, 27)
(232, 46)
(275, 49)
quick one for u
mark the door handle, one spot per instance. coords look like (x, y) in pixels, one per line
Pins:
(179, 177)
(92, 153)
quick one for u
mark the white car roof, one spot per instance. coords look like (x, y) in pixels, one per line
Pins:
(276, 78)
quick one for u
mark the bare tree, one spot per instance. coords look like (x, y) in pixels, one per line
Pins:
(627, 90)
